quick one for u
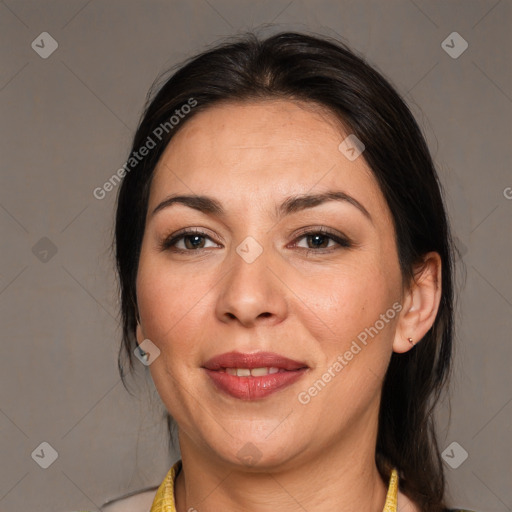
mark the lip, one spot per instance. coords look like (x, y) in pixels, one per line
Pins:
(254, 360)
(253, 388)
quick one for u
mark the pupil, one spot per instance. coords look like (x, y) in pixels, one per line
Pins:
(316, 237)
(195, 237)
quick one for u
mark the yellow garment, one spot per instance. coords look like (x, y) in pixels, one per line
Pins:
(164, 499)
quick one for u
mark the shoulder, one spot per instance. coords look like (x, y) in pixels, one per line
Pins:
(142, 500)
(134, 502)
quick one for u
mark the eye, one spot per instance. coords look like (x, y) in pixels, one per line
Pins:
(194, 240)
(318, 239)
(191, 238)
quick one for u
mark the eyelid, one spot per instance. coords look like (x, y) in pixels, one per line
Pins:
(317, 229)
(165, 242)
(341, 240)
(191, 231)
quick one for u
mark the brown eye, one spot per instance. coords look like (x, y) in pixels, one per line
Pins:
(319, 239)
(192, 241)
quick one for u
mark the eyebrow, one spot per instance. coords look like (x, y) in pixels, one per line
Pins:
(293, 204)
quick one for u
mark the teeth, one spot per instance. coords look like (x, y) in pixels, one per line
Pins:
(255, 372)
(259, 372)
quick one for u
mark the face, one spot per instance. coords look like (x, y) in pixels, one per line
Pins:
(318, 283)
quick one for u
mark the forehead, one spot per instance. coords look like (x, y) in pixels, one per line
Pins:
(266, 123)
(264, 148)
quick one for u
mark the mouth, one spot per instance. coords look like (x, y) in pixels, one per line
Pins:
(253, 376)
(256, 360)
(252, 372)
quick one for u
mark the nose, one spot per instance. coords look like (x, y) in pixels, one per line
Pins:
(251, 292)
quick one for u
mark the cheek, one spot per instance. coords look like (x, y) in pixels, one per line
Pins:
(167, 301)
(171, 312)
(166, 291)
(352, 334)
(348, 298)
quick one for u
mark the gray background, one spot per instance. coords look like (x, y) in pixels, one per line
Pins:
(67, 121)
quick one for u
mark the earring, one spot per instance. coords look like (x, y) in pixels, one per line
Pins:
(410, 341)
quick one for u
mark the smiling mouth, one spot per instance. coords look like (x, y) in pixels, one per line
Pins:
(247, 386)
(252, 372)
(258, 361)
(252, 376)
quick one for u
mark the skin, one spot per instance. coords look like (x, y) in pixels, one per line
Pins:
(192, 306)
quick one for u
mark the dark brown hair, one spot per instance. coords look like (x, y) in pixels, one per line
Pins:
(325, 72)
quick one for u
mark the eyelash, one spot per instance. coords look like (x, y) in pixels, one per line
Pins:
(168, 243)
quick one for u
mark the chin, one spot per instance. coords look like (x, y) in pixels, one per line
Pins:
(259, 453)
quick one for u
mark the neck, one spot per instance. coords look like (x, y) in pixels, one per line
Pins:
(342, 477)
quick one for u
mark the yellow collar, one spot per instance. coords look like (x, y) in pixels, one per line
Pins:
(164, 499)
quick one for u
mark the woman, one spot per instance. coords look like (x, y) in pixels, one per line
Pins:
(285, 265)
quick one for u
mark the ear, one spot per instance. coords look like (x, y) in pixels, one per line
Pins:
(420, 303)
